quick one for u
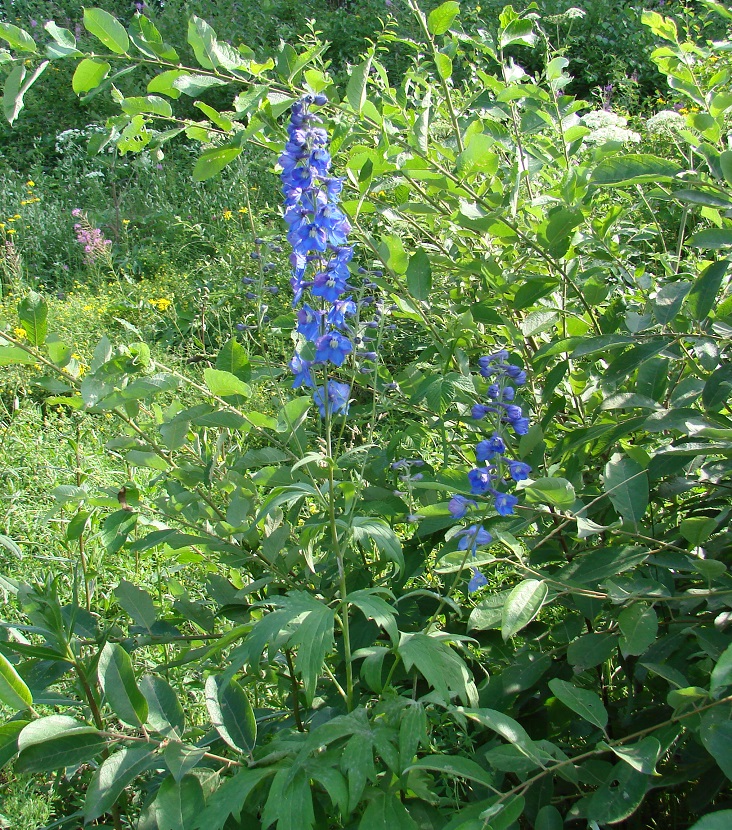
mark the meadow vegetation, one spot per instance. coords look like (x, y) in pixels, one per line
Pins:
(365, 425)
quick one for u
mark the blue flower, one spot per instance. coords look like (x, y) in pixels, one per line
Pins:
(459, 506)
(308, 322)
(301, 370)
(489, 448)
(518, 470)
(332, 347)
(477, 580)
(335, 399)
(480, 480)
(504, 503)
(473, 536)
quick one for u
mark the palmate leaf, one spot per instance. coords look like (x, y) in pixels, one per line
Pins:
(441, 667)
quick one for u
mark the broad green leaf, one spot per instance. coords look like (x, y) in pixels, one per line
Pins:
(721, 673)
(115, 773)
(231, 713)
(555, 491)
(522, 605)
(105, 27)
(441, 667)
(508, 728)
(164, 711)
(626, 484)
(720, 820)
(630, 169)
(213, 161)
(440, 19)
(419, 275)
(582, 702)
(17, 84)
(638, 628)
(697, 529)
(378, 531)
(712, 238)
(223, 383)
(117, 679)
(668, 301)
(14, 355)
(456, 766)
(55, 742)
(116, 528)
(591, 649)
(230, 797)
(193, 84)
(386, 812)
(233, 358)
(137, 603)
(619, 797)
(178, 803)
(520, 30)
(663, 27)
(488, 613)
(444, 65)
(549, 818)
(700, 300)
(17, 38)
(412, 733)
(290, 801)
(164, 83)
(718, 388)
(9, 732)
(214, 116)
(13, 691)
(181, 759)
(152, 104)
(202, 39)
(391, 250)
(89, 74)
(357, 84)
(642, 756)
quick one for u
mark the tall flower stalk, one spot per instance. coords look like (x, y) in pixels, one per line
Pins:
(495, 470)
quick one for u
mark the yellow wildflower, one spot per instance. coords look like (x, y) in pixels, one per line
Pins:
(11, 231)
(161, 303)
(17, 216)
(125, 221)
(19, 332)
(227, 214)
(30, 183)
(88, 308)
(243, 210)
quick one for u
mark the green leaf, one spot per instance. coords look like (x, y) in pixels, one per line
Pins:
(230, 797)
(9, 739)
(642, 756)
(213, 161)
(591, 649)
(419, 275)
(444, 65)
(638, 628)
(105, 27)
(549, 818)
(164, 711)
(89, 74)
(555, 491)
(720, 820)
(14, 355)
(620, 171)
(17, 84)
(231, 713)
(488, 613)
(700, 300)
(181, 759)
(17, 38)
(193, 85)
(663, 27)
(152, 104)
(137, 603)
(357, 83)
(582, 702)
(619, 797)
(379, 532)
(115, 773)
(721, 673)
(55, 742)
(223, 383)
(178, 803)
(233, 358)
(456, 766)
(164, 83)
(117, 679)
(440, 19)
(718, 388)
(668, 300)
(202, 39)
(13, 691)
(441, 667)
(116, 528)
(393, 254)
(412, 733)
(626, 484)
(508, 728)
(712, 238)
(520, 30)
(697, 529)
(522, 605)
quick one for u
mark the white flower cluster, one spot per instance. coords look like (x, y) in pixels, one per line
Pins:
(666, 122)
(605, 126)
(73, 139)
